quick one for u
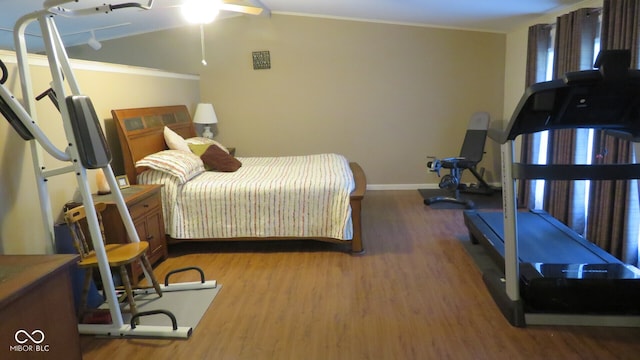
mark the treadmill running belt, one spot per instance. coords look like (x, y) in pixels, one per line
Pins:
(543, 239)
(560, 271)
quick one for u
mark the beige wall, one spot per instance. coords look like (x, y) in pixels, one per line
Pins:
(386, 96)
(110, 87)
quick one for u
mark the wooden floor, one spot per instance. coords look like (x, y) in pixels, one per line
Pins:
(415, 294)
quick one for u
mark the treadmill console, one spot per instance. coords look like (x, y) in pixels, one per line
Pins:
(607, 98)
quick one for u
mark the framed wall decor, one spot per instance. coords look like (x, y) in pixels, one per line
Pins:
(123, 181)
(261, 60)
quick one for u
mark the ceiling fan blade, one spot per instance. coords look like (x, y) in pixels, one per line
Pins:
(241, 9)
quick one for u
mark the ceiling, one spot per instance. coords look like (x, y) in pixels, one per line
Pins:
(482, 15)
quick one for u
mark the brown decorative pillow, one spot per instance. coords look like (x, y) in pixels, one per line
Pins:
(216, 159)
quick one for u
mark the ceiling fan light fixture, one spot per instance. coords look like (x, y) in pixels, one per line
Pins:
(93, 42)
(200, 11)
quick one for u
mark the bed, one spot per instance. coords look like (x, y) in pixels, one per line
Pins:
(192, 214)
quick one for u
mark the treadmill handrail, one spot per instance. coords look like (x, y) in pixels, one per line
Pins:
(576, 172)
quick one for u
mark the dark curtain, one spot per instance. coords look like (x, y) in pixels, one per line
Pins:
(574, 46)
(612, 222)
(537, 45)
(620, 26)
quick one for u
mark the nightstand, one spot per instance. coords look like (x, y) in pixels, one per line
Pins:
(145, 206)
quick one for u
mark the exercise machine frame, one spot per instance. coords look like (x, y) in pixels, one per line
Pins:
(569, 102)
(471, 154)
(83, 154)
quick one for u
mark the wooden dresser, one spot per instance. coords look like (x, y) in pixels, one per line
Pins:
(145, 206)
(38, 319)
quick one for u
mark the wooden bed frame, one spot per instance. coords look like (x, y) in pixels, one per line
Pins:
(140, 132)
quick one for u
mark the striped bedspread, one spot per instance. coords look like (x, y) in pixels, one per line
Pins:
(305, 196)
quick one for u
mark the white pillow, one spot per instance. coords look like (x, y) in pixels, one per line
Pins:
(183, 165)
(174, 140)
(198, 140)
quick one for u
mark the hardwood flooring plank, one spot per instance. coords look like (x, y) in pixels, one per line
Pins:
(415, 294)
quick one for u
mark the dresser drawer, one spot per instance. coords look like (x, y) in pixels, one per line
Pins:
(144, 206)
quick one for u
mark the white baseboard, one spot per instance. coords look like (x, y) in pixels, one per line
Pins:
(374, 187)
(401, 186)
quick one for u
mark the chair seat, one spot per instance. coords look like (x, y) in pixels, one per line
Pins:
(118, 254)
(459, 162)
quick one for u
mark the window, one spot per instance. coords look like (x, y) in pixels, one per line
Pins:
(541, 139)
(584, 140)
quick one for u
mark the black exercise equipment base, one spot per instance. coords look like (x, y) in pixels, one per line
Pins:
(481, 188)
(575, 277)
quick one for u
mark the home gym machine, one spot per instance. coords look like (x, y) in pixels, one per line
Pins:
(552, 275)
(471, 154)
(86, 149)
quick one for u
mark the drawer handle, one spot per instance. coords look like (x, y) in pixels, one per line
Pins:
(145, 205)
(149, 237)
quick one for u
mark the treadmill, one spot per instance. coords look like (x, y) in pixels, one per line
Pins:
(550, 274)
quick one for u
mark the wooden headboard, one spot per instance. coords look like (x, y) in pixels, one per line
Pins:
(141, 132)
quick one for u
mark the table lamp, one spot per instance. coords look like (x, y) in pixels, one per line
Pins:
(205, 115)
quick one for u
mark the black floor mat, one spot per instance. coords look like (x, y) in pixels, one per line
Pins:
(480, 201)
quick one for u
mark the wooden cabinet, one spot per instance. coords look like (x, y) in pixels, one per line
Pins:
(36, 307)
(145, 206)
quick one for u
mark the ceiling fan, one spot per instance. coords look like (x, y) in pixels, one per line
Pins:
(245, 9)
(205, 11)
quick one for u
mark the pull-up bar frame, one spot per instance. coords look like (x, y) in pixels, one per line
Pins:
(62, 74)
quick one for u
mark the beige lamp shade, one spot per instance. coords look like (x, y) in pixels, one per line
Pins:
(205, 115)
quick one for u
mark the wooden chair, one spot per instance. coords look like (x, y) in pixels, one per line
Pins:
(118, 255)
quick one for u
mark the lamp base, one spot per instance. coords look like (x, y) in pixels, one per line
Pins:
(207, 132)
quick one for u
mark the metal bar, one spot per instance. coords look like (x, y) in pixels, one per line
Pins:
(184, 286)
(576, 172)
(28, 111)
(59, 171)
(582, 320)
(146, 331)
(512, 276)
